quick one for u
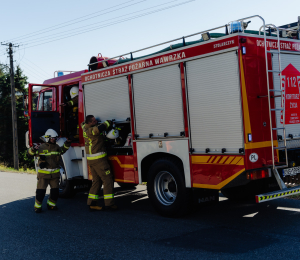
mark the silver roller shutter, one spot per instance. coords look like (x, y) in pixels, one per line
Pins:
(158, 102)
(215, 103)
(108, 99)
(293, 129)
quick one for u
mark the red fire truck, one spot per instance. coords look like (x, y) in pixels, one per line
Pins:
(219, 113)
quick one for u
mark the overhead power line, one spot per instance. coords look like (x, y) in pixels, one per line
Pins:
(113, 23)
(40, 72)
(89, 25)
(54, 27)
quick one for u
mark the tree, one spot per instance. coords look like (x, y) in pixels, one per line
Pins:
(6, 136)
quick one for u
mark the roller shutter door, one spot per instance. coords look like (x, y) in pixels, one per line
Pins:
(293, 129)
(108, 99)
(158, 102)
(215, 103)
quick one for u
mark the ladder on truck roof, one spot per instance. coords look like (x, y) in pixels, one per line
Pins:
(284, 191)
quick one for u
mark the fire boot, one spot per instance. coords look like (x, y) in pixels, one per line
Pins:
(95, 208)
(37, 210)
(52, 207)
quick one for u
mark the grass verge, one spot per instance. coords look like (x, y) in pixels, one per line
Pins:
(4, 168)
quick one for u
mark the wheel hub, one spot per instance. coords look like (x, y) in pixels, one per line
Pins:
(165, 188)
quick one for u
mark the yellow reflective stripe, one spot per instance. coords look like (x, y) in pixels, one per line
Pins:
(108, 196)
(48, 154)
(90, 146)
(96, 157)
(50, 203)
(71, 102)
(107, 172)
(66, 146)
(37, 205)
(48, 172)
(93, 196)
(93, 132)
(31, 152)
(107, 123)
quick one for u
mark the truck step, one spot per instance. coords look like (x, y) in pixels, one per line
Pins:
(280, 148)
(275, 90)
(79, 159)
(277, 194)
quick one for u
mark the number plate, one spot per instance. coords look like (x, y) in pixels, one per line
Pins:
(291, 171)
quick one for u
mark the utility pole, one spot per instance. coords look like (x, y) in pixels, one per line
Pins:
(13, 106)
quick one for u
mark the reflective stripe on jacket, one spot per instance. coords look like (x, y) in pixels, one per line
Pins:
(73, 102)
(49, 154)
(94, 141)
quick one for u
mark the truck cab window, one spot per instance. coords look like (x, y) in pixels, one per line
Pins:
(48, 101)
(45, 101)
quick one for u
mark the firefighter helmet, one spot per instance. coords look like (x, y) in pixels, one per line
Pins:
(74, 91)
(50, 133)
(113, 134)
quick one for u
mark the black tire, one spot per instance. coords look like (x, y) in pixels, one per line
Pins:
(66, 187)
(166, 188)
(127, 186)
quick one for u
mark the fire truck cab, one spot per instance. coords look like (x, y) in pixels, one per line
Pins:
(218, 113)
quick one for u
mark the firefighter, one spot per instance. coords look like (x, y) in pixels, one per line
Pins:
(98, 164)
(72, 117)
(74, 98)
(48, 169)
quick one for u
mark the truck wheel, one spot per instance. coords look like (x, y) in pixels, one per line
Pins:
(128, 186)
(66, 188)
(166, 188)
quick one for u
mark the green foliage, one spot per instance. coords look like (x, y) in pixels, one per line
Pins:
(6, 135)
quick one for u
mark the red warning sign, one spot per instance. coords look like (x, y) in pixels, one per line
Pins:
(291, 93)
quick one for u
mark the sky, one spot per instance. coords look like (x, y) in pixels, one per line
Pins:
(64, 35)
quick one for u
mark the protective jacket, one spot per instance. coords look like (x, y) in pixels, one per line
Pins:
(94, 140)
(49, 156)
(73, 102)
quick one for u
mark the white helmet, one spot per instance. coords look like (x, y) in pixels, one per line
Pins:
(74, 91)
(50, 133)
(113, 134)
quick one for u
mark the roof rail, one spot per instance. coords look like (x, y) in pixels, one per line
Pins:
(183, 38)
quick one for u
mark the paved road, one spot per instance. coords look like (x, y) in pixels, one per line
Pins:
(225, 231)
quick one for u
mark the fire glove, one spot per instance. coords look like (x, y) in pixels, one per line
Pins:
(110, 125)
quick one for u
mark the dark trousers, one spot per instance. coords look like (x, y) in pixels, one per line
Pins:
(101, 175)
(43, 181)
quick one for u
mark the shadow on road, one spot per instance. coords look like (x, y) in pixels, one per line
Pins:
(228, 227)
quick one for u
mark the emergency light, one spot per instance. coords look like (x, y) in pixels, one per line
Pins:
(249, 137)
(235, 27)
